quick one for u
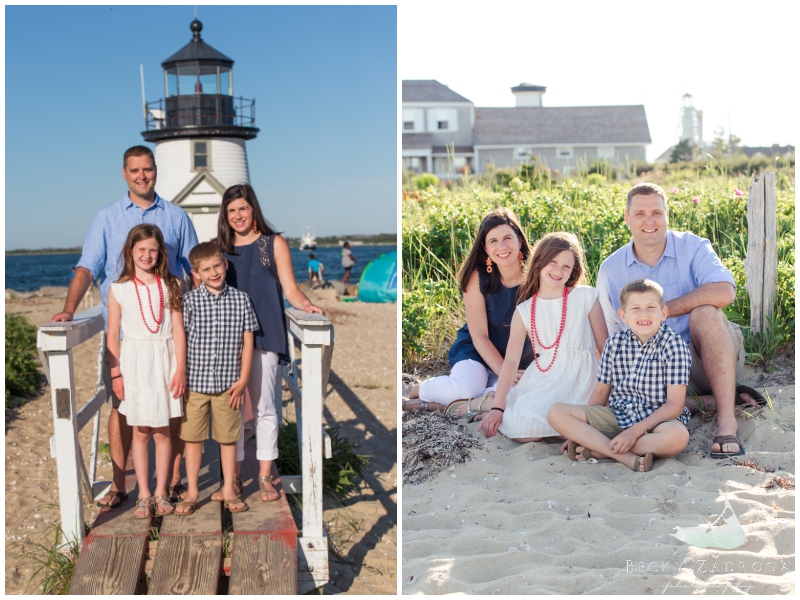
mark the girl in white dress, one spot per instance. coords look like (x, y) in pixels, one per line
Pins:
(149, 372)
(564, 323)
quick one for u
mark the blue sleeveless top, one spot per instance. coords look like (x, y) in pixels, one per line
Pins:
(253, 271)
(500, 308)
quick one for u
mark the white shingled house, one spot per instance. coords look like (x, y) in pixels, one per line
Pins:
(435, 118)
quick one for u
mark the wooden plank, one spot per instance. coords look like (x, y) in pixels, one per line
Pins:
(264, 564)
(264, 558)
(770, 245)
(186, 564)
(109, 566)
(189, 555)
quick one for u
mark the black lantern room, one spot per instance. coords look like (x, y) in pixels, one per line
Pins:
(198, 85)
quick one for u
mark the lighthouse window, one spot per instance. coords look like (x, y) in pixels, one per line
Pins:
(225, 82)
(200, 152)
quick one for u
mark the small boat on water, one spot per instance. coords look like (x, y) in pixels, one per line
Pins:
(308, 241)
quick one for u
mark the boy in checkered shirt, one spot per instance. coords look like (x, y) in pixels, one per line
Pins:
(219, 321)
(643, 375)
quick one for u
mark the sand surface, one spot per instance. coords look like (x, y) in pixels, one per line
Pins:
(521, 518)
(361, 399)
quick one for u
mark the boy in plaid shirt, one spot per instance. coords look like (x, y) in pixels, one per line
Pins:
(643, 375)
(219, 321)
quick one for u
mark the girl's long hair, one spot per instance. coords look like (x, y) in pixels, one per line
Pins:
(477, 256)
(545, 250)
(225, 233)
(146, 231)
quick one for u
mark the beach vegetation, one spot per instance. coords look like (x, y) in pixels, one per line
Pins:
(425, 181)
(22, 366)
(341, 473)
(705, 197)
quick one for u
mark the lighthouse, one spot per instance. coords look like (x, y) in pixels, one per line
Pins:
(200, 130)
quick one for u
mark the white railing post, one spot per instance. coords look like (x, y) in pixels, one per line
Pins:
(66, 436)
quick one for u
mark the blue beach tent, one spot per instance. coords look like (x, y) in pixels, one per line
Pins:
(379, 279)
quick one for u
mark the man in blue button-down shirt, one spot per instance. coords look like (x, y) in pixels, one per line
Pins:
(696, 286)
(101, 251)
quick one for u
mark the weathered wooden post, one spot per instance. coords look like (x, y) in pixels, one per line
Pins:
(761, 264)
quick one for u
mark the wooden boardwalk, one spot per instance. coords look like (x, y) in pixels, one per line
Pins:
(189, 554)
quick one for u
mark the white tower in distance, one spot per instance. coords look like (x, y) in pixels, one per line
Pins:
(199, 129)
(691, 122)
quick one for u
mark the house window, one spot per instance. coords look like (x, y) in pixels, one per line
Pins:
(443, 119)
(523, 154)
(441, 125)
(564, 152)
(410, 119)
(200, 155)
(413, 163)
(605, 152)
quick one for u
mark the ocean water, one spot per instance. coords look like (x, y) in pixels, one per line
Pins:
(31, 272)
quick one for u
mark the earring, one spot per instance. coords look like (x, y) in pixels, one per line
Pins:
(488, 265)
(521, 261)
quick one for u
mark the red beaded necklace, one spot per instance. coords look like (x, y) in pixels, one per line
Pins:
(160, 318)
(535, 335)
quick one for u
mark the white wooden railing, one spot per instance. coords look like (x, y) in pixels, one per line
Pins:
(313, 333)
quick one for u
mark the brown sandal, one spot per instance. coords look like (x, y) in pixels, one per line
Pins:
(237, 487)
(236, 500)
(268, 479)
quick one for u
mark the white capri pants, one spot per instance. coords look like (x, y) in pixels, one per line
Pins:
(261, 394)
(468, 379)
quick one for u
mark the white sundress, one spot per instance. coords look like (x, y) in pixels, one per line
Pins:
(573, 375)
(147, 360)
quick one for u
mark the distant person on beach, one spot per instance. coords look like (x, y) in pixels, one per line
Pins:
(104, 243)
(260, 264)
(696, 286)
(148, 371)
(563, 322)
(489, 280)
(313, 271)
(643, 375)
(219, 322)
(348, 260)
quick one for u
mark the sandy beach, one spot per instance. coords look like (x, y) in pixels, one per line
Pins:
(361, 399)
(523, 519)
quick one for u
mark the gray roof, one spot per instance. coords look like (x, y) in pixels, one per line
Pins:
(417, 141)
(561, 125)
(429, 90)
(197, 50)
(773, 150)
(529, 87)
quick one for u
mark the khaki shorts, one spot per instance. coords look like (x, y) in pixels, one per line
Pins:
(604, 420)
(226, 422)
(698, 381)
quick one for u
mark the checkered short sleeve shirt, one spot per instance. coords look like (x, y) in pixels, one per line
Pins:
(215, 326)
(640, 373)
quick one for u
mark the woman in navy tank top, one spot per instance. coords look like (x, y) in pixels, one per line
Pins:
(489, 281)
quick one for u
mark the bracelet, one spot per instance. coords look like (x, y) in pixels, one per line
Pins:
(116, 377)
(496, 408)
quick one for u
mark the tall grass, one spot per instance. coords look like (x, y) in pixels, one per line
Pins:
(22, 372)
(439, 227)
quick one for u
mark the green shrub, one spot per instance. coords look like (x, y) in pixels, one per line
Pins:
(426, 180)
(22, 372)
(596, 179)
(340, 473)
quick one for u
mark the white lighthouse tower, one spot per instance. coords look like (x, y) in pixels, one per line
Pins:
(199, 129)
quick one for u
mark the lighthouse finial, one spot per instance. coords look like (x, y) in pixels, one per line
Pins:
(196, 28)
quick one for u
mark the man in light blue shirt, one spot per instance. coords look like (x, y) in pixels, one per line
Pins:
(100, 255)
(696, 286)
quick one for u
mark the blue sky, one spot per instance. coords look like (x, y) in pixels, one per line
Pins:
(324, 80)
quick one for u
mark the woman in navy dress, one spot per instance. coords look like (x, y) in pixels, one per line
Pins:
(260, 264)
(489, 281)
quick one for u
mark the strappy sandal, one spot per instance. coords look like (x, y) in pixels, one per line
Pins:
(473, 413)
(162, 502)
(268, 479)
(143, 503)
(236, 500)
(237, 487)
(423, 405)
